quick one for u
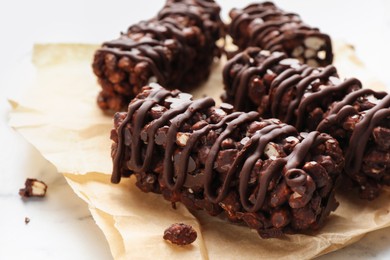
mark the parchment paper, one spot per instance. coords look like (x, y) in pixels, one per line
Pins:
(59, 116)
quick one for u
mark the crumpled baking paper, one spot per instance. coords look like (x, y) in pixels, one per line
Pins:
(59, 116)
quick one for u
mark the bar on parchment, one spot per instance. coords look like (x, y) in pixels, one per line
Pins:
(266, 26)
(317, 99)
(176, 48)
(261, 173)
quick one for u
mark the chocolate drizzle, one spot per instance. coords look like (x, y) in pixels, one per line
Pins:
(175, 48)
(266, 26)
(311, 99)
(240, 85)
(363, 130)
(181, 169)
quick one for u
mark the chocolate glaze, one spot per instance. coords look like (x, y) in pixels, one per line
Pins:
(307, 89)
(266, 26)
(176, 177)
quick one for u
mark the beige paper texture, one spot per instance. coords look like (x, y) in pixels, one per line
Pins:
(60, 118)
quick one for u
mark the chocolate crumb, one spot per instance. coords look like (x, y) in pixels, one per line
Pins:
(33, 188)
(180, 234)
(26, 220)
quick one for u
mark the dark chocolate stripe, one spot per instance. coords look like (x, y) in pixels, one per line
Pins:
(362, 132)
(261, 139)
(118, 158)
(209, 165)
(242, 86)
(322, 93)
(176, 123)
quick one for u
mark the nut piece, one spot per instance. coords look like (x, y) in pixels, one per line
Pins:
(180, 234)
(297, 51)
(33, 188)
(314, 42)
(182, 138)
(310, 53)
(312, 62)
(271, 151)
(288, 62)
(292, 139)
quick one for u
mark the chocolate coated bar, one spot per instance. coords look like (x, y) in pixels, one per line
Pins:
(317, 99)
(262, 173)
(266, 26)
(176, 48)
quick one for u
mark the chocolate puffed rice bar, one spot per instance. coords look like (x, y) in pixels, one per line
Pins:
(317, 99)
(176, 48)
(261, 173)
(266, 26)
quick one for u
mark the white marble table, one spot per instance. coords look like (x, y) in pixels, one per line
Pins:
(61, 226)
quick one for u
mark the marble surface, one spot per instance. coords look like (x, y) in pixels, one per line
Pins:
(61, 226)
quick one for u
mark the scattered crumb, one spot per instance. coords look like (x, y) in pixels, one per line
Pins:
(33, 188)
(180, 234)
(26, 220)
